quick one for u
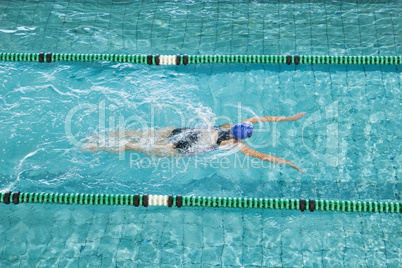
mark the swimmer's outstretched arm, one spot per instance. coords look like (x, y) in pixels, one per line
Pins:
(254, 120)
(244, 149)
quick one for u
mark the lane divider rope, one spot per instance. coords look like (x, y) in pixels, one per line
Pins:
(200, 201)
(201, 59)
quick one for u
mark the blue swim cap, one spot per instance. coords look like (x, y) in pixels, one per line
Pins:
(241, 130)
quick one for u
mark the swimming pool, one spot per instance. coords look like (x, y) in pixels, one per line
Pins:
(348, 144)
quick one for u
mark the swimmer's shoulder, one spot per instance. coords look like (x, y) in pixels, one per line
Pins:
(226, 125)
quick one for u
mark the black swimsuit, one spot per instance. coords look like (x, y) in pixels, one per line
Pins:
(223, 134)
(184, 138)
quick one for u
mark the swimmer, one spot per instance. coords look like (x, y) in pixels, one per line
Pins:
(175, 142)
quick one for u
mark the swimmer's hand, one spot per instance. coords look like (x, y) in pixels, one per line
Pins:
(293, 166)
(296, 116)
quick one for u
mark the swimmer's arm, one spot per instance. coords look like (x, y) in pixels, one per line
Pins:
(254, 120)
(244, 149)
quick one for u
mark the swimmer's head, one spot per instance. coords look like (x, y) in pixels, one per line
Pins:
(241, 130)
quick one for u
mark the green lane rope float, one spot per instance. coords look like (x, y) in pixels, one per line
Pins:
(201, 201)
(201, 59)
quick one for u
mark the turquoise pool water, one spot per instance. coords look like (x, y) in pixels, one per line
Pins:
(348, 144)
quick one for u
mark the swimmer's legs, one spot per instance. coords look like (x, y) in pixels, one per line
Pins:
(153, 138)
(162, 133)
(127, 134)
(94, 147)
(148, 142)
(161, 150)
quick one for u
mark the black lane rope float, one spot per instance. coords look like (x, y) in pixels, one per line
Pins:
(201, 59)
(200, 201)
